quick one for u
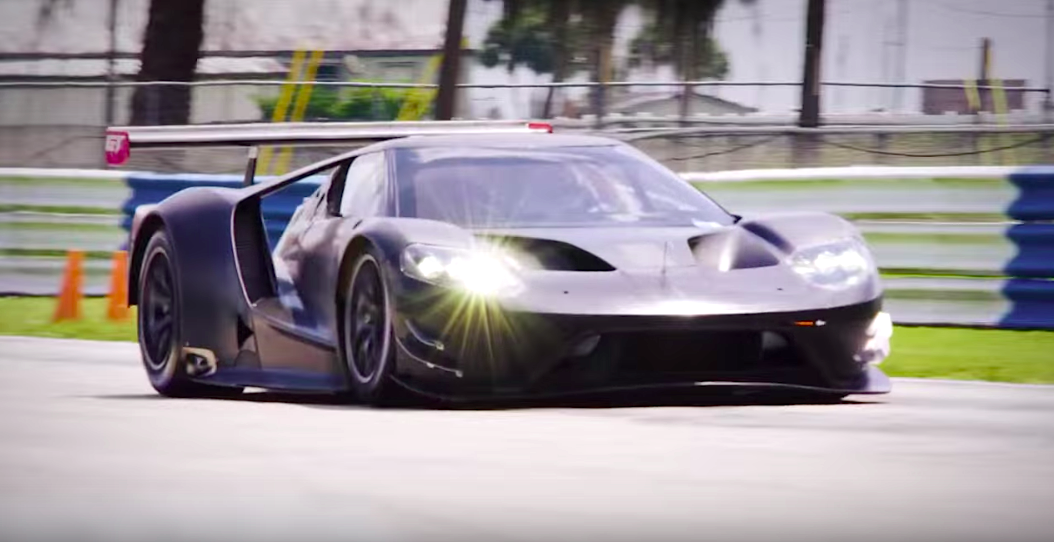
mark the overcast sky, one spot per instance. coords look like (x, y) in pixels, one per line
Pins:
(763, 41)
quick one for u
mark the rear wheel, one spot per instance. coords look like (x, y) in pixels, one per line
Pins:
(160, 337)
(366, 333)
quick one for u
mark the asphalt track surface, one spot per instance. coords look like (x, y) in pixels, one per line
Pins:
(88, 452)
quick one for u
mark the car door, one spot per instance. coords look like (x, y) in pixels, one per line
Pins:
(356, 192)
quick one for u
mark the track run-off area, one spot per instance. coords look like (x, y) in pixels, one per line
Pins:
(89, 452)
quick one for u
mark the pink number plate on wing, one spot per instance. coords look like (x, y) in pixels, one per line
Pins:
(117, 148)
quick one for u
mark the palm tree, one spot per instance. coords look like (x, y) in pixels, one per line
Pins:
(680, 34)
(549, 36)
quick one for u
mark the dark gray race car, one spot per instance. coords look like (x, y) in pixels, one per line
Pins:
(500, 265)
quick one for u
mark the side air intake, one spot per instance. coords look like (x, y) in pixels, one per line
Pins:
(250, 247)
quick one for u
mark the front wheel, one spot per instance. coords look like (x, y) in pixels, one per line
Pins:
(160, 333)
(366, 332)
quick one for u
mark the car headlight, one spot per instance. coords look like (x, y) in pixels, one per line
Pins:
(835, 265)
(481, 272)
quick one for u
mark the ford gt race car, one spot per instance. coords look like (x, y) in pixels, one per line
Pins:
(466, 262)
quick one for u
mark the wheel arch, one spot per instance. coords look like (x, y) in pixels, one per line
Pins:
(150, 225)
(356, 247)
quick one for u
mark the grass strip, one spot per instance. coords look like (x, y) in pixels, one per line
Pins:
(850, 184)
(53, 253)
(965, 238)
(63, 181)
(929, 217)
(31, 316)
(60, 209)
(62, 227)
(972, 354)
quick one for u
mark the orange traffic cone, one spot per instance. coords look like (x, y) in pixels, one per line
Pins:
(69, 307)
(117, 301)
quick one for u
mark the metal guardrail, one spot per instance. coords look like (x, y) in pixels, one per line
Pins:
(30, 83)
(957, 246)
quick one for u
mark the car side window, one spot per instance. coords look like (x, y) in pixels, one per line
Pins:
(364, 187)
(312, 205)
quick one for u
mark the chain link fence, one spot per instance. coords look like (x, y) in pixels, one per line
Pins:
(60, 124)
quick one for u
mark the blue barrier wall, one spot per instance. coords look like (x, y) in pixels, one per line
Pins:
(277, 208)
(1031, 271)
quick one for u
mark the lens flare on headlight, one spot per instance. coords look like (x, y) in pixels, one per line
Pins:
(479, 272)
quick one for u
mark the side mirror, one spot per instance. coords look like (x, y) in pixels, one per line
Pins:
(335, 192)
(332, 205)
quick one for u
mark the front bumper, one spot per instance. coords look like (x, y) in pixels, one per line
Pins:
(472, 347)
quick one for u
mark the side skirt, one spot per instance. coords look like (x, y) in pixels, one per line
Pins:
(277, 379)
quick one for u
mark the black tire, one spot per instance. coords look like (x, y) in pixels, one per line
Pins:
(160, 325)
(367, 344)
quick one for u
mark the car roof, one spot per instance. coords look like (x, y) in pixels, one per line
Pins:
(494, 141)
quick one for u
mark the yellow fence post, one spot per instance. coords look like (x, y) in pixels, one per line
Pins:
(285, 97)
(973, 101)
(1002, 109)
(303, 97)
(417, 100)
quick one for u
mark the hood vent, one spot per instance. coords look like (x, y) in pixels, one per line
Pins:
(549, 254)
(732, 249)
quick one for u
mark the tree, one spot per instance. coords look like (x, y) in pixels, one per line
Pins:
(448, 72)
(565, 36)
(559, 17)
(647, 47)
(680, 35)
(555, 36)
(171, 47)
(547, 36)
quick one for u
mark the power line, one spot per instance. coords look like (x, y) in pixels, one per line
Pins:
(1025, 143)
(735, 149)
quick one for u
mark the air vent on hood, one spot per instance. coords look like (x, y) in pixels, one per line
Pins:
(549, 254)
(732, 249)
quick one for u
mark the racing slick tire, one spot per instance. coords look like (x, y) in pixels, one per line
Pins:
(367, 343)
(159, 325)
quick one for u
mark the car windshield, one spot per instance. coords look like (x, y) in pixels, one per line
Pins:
(547, 187)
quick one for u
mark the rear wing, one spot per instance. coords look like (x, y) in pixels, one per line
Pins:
(121, 140)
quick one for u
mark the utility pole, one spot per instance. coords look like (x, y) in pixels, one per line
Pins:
(810, 88)
(1048, 58)
(448, 73)
(111, 65)
(983, 94)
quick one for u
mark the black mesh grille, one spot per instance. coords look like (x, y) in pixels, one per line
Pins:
(251, 249)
